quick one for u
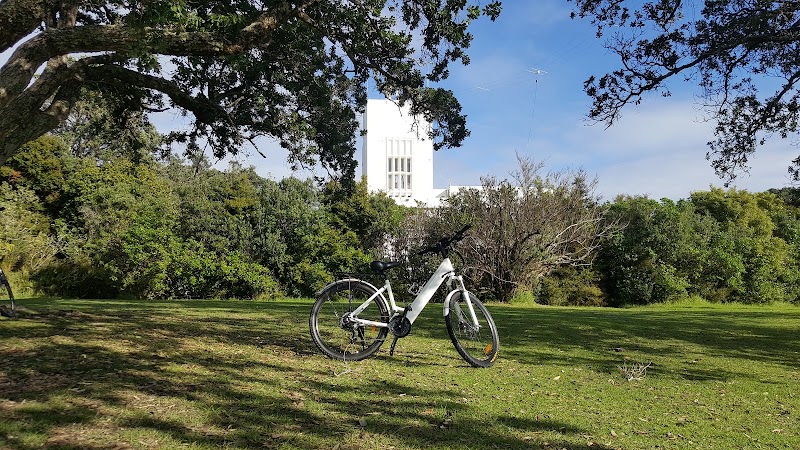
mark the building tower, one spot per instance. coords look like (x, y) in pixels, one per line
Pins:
(397, 155)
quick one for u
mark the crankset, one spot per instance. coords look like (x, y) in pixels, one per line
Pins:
(400, 327)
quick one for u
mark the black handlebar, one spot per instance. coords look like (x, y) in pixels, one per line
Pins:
(443, 246)
(460, 233)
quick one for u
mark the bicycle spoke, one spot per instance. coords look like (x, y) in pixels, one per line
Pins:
(336, 331)
(476, 343)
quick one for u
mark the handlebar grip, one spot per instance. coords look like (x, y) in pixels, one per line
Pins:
(460, 234)
(446, 242)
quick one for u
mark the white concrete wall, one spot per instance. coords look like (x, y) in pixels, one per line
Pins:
(390, 132)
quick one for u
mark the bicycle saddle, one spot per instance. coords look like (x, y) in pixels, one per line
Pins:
(380, 266)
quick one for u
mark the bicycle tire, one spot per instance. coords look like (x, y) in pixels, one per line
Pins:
(479, 347)
(6, 293)
(335, 338)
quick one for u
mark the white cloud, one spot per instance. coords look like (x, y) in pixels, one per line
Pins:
(660, 150)
(657, 150)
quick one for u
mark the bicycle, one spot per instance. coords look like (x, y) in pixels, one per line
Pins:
(5, 288)
(351, 318)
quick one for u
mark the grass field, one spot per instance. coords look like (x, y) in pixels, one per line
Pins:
(232, 374)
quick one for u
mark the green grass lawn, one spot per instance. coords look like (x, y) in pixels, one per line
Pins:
(233, 374)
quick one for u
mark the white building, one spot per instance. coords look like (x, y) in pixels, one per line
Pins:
(397, 156)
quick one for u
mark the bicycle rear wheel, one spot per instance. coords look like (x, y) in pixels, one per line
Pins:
(6, 295)
(479, 345)
(332, 329)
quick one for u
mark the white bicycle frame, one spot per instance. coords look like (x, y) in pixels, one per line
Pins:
(445, 271)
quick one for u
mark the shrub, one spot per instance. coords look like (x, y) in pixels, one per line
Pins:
(25, 241)
(571, 286)
(76, 279)
(242, 279)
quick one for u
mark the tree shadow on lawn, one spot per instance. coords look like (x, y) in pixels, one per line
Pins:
(74, 379)
(542, 335)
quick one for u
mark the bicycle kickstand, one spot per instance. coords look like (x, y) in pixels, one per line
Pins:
(394, 342)
(400, 329)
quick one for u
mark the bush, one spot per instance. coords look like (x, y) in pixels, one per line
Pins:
(660, 249)
(524, 296)
(25, 241)
(324, 253)
(186, 271)
(525, 227)
(571, 286)
(243, 279)
(192, 272)
(75, 279)
(749, 256)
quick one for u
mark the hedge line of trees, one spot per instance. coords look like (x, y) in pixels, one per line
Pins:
(549, 237)
(89, 227)
(99, 224)
(722, 245)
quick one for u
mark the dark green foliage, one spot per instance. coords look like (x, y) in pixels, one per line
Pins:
(119, 218)
(296, 72)
(105, 127)
(789, 195)
(374, 218)
(722, 245)
(752, 257)
(571, 286)
(637, 262)
(145, 229)
(94, 227)
(74, 279)
(41, 165)
(25, 240)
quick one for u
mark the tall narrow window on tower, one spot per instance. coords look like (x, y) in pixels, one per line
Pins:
(398, 159)
(391, 142)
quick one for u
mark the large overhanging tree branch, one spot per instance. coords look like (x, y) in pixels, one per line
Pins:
(743, 54)
(19, 18)
(294, 71)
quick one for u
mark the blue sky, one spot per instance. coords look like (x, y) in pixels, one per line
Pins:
(657, 149)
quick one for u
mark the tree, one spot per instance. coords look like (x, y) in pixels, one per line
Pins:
(105, 128)
(756, 261)
(743, 54)
(295, 71)
(25, 242)
(373, 217)
(789, 195)
(658, 252)
(526, 227)
(41, 165)
(721, 245)
(118, 223)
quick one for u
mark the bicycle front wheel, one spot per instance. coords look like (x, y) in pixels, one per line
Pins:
(333, 328)
(477, 344)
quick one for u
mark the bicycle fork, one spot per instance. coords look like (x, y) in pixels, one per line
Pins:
(462, 290)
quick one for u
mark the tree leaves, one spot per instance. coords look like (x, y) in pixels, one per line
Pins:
(293, 72)
(742, 55)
